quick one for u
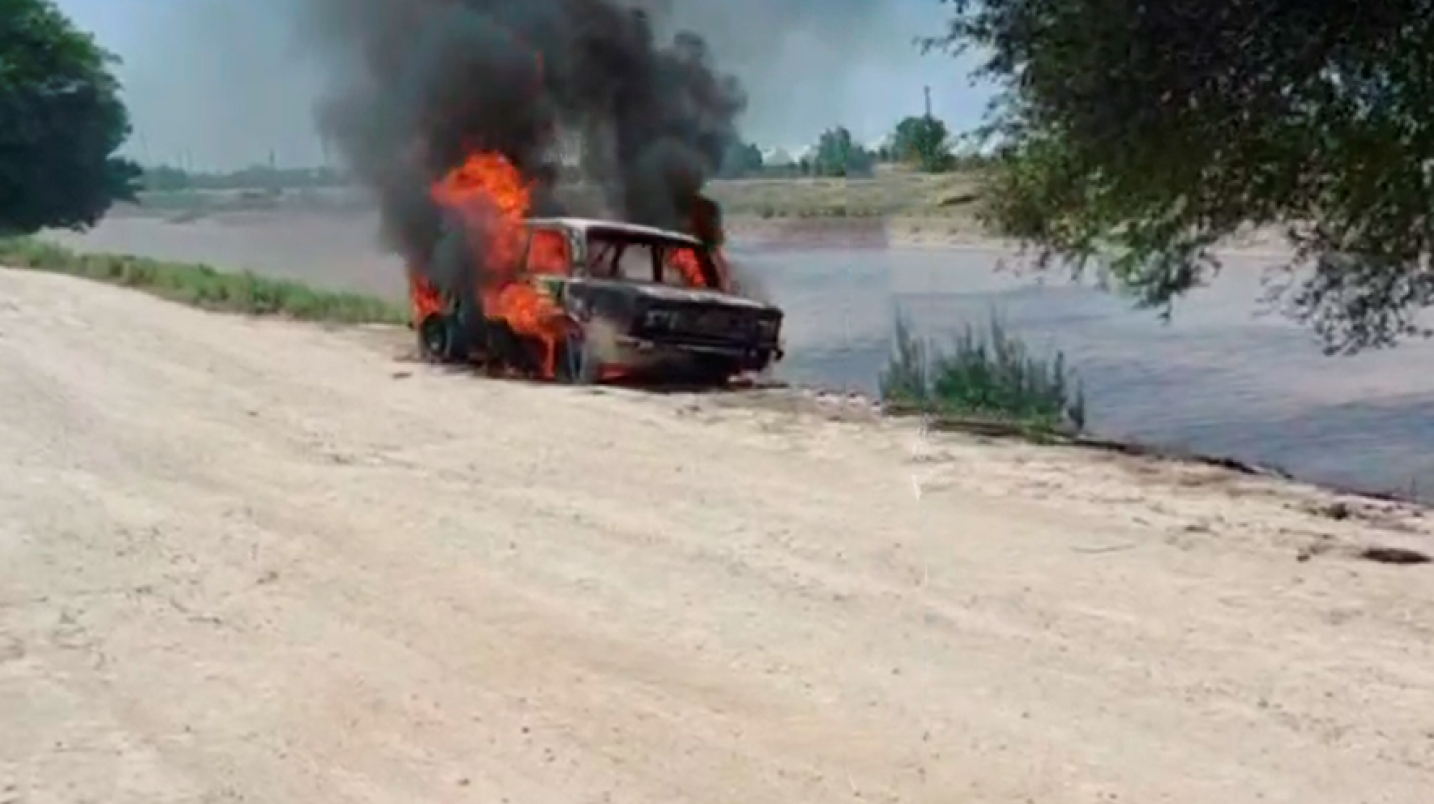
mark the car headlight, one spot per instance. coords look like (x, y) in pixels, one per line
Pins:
(767, 328)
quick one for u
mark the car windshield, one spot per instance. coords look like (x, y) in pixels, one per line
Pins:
(637, 258)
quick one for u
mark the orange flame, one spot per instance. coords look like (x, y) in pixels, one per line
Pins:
(705, 223)
(548, 253)
(491, 197)
(685, 261)
(493, 200)
(423, 295)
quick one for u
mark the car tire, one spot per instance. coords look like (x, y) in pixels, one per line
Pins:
(441, 339)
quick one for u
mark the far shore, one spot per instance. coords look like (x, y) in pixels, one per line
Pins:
(944, 232)
(928, 234)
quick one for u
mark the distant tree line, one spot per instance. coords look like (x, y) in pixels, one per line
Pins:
(922, 144)
(166, 178)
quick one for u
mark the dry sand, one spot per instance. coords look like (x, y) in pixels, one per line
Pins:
(260, 561)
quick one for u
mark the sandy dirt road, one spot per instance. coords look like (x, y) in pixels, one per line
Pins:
(258, 561)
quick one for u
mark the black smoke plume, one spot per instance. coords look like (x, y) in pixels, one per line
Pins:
(416, 85)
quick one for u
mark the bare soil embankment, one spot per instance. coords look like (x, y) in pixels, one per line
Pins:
(257, 560)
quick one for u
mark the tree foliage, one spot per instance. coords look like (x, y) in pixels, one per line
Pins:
(837, 155)
(1150, 130)
(924, 142)
(742, 159)
(61, 121)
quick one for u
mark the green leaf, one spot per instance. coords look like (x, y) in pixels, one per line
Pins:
(1143, 134)
(61, 122)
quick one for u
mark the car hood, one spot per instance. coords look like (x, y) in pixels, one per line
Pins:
(672, 294)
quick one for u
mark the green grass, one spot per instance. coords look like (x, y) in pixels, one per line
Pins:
(986, 375)
(203, 286)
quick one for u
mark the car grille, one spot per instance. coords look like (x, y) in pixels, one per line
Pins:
(717, 322)
(706, 323)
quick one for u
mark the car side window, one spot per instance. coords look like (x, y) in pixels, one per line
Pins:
(635, 264)
(681, 267)
(549, 252)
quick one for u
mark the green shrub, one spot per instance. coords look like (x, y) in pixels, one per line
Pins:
(988, 374)
(203, 286)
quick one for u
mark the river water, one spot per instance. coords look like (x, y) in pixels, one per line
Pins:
(1219, 378)
(1224, 376)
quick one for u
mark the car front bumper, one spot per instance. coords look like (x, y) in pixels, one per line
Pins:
(751, 357)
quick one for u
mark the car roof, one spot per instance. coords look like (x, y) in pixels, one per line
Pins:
(585, 224)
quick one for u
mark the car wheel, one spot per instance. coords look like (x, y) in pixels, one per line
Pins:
(441, 339)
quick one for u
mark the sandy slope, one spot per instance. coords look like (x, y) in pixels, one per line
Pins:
(248, 561)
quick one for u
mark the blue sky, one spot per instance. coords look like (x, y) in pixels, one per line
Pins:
(218, 83)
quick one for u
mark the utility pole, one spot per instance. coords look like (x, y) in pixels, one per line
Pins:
(927, 90)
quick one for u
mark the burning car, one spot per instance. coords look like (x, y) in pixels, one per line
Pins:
(582, 301)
